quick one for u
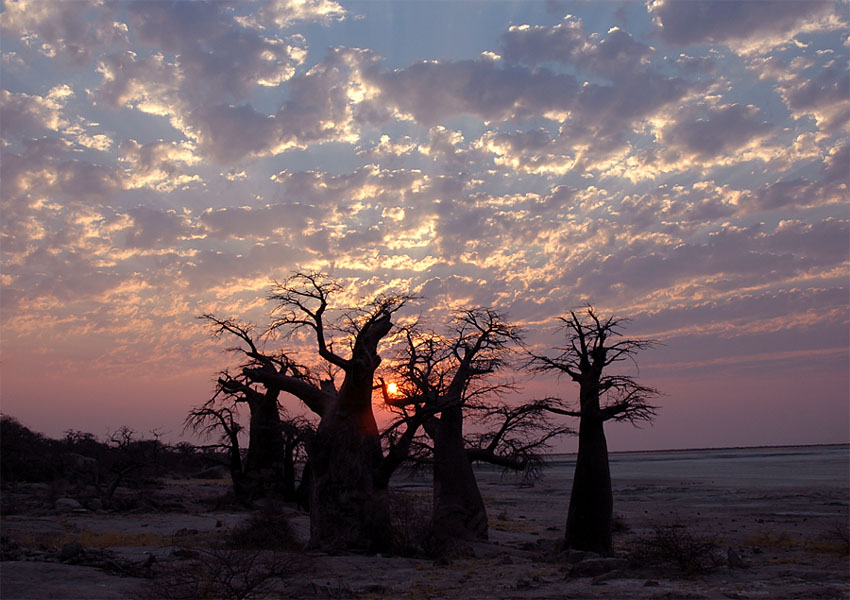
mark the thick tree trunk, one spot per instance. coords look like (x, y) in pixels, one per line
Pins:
(591, 501)
(349, 510)
(264, 469)
(459, 511)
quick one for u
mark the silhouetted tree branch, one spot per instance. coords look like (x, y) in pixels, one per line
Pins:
(440, 378)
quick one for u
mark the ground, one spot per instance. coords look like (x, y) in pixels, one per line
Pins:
(783, 541)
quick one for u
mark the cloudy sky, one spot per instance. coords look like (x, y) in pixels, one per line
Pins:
(683, 164)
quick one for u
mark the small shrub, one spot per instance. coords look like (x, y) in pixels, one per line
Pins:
(220, 572)
(674, 545)
(410, 516)
(839, 534)
(266, 530)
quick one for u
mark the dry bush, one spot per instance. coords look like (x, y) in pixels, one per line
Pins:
(411, 524)
(266, 530)
(674, 545)
(220, 572)
(840, 533)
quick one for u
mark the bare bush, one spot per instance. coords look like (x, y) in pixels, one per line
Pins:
(839, 534)
(265, 530)
(411, 524)
(675, 545)
(220, 572)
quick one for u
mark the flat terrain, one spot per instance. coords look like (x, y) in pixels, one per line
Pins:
(779, 517)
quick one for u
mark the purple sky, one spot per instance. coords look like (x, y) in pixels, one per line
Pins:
(683, 164)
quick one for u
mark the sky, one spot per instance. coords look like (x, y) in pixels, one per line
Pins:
(680, 164)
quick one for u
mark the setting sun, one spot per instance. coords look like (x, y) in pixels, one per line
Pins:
(392, 388)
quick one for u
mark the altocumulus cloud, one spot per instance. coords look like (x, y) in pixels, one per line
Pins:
(683, 163)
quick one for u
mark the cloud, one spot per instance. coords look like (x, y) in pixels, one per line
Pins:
(156, 228)
(618, 56)
(823, 93)
(717, 131)
(217, 58)
(640, 269)
(229, 133)
(593, 119)
(284, 13)
(25, 113)
(157, 165)
(740, 24)
(433, 91)
(836, 168)
(149, 84)
(211, 268)
(71, 31)
(260, 223)
(44, 172)
(452, 152)
(319, 106)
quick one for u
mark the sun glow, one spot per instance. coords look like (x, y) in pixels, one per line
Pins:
(392, 389)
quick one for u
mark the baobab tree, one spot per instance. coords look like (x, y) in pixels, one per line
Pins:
(440, 379)
(349, 506)
(594, 344)
(274, 436)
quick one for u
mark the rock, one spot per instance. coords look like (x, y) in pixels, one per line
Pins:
(66, 505)
(615, 574)
(594, 567)
(70, 551)
(735, 560)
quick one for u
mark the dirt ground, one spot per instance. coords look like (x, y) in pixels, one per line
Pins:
(760, 542)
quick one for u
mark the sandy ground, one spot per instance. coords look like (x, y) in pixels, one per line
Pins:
(779, 520)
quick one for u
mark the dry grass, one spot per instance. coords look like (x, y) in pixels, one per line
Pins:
(91, 539)
(834, 541)
(773, 541)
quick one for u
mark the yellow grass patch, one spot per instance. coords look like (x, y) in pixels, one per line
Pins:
(91, 539)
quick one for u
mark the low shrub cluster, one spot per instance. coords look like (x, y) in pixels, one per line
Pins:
(248, 562)
(676, 546)
(268, 529)
(219, 572)
(411, 525)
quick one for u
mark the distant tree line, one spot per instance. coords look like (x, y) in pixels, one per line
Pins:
(448, 391)
(93, 468)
